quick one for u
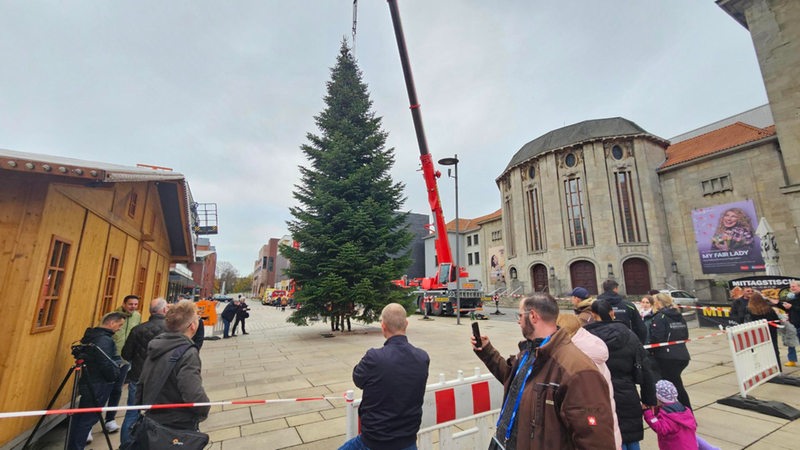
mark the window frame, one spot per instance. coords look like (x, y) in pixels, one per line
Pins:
(46, 314)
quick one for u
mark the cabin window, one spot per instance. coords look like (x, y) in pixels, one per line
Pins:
(111, 285)
(52, 288)
(132, 205)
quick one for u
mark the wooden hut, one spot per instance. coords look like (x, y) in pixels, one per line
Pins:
(75, 238)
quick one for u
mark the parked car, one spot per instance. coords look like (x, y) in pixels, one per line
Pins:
(221, 298)
(683, 298)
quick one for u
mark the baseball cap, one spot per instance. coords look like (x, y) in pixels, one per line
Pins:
(580, 292)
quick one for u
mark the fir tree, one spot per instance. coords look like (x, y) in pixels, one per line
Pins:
(347, 222)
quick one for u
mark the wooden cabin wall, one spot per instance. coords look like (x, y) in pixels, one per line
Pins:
(96, 222)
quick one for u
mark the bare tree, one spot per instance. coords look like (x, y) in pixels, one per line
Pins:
(227, 274)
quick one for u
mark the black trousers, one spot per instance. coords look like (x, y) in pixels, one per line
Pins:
(236, 324)
(670, 370)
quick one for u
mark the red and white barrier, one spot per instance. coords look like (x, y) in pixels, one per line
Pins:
(446, 404)
(753, 354)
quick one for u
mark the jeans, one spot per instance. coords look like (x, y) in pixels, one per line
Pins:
(227, 326)
(82, 424)
(630, 446)
(116, 392)
(130, 416)
(357, 444)
(792, 354)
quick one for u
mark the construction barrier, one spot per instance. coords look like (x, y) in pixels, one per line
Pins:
(755, 363)
(446, 408)
(753, 355)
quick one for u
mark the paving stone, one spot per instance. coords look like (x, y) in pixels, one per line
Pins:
(321, 430)
(271, 440)
(304, 419)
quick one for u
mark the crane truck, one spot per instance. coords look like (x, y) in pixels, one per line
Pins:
(450, 285)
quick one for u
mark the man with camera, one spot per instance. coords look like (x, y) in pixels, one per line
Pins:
(102, 370)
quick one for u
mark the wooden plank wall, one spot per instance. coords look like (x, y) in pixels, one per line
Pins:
(96, 222)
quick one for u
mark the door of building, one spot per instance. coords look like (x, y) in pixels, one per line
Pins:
(539, 277)
(583, 274)
(637, 276)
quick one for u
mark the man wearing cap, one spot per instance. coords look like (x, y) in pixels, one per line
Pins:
(583, 304)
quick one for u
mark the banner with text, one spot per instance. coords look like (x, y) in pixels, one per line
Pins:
(726, 238)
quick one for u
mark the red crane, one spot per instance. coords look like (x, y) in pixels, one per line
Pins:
(438, 293)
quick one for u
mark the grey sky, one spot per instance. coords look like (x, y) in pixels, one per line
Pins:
(225, 91)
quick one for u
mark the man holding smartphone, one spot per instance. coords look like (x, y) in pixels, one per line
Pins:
(393, 378)
(554, 395)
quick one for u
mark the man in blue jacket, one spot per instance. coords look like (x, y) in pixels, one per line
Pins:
(393, 379)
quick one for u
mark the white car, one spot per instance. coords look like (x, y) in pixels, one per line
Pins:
(682, 298)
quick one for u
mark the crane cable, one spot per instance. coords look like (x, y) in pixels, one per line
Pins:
(355, 21)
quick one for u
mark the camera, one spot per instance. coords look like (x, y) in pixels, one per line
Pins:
(81, 351)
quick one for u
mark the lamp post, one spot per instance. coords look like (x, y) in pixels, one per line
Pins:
(454, 162)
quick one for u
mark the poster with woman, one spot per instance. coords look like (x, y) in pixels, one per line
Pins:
(497, 263)
(726, 238)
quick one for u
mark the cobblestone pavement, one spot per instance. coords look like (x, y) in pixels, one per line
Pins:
(280, 360)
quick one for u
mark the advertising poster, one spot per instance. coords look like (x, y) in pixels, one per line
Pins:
(771, 287)
(726, 238)
(497, 264)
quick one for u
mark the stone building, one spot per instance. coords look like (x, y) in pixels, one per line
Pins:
(581, 204)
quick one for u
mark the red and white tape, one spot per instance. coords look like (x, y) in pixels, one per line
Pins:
(664, 344)
(51, 412)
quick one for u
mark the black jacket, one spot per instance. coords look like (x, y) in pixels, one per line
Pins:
(102, 361)
(229, 313)
(739, 310)
(135, 348)
(669, 325)
(627, 313)
(624, 351)
(182, 382)
(794, 311)
(393, 379)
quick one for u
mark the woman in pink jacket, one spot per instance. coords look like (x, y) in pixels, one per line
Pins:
(593, 347)
(674, 423)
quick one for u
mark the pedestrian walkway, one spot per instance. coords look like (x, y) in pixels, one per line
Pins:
(279, 360)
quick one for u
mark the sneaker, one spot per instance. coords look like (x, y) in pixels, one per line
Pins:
(112, 426)
(89, 438)
(790, 364)
(245, 332)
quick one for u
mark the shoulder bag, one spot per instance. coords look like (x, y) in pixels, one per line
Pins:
(147, 434)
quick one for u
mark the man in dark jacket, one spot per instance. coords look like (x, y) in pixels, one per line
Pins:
(792, 307)
(624, 311)
(393, 378)
(163, 381)
(739, 306)
(135, 351)
(102, 363)
(555, 398)
(228, 314)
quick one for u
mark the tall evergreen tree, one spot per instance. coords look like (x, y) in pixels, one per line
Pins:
(347, 222)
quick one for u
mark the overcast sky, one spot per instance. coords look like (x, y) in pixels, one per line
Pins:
(225, 91)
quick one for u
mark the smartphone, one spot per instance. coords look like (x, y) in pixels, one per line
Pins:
(476, 331)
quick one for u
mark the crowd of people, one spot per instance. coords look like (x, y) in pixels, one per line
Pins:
(159, 359)
(581, 380)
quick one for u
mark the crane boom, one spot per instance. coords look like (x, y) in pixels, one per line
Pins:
(443, 252)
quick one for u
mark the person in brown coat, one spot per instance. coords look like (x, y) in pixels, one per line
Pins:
(554, 395)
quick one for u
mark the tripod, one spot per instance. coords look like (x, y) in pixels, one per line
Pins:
(77, 369)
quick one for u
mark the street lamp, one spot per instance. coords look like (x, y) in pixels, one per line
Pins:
(454, 162)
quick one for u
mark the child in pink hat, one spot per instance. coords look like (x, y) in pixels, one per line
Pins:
(673, 423)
